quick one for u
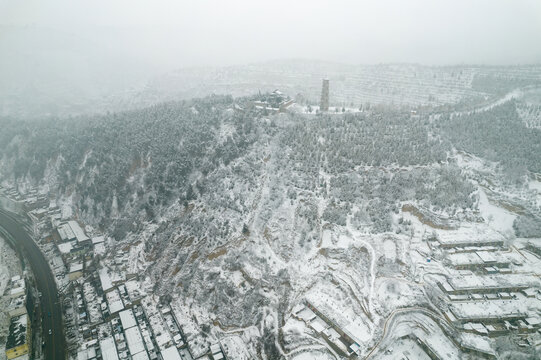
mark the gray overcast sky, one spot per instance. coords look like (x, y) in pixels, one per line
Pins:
(172, 34)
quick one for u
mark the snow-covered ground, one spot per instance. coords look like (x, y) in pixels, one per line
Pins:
(312, 355)
(496, 217)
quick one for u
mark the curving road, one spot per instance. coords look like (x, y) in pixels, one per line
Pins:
(388, 323)
(55, 345)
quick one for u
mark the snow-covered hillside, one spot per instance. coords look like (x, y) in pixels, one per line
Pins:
(243, 221)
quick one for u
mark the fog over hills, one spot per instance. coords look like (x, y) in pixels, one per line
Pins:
(48, 72)
(278, 181)
(76, 81)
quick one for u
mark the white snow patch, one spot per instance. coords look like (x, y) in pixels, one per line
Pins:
(389, 249)
(535, 185)
(312, 355)
(496, 217)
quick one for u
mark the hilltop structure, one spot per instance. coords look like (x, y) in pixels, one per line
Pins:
(273, 103)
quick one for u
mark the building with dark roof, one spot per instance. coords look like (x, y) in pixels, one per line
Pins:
(18, 340)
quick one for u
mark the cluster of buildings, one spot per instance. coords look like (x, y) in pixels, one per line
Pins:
(107, 314)
(73, 245)
(19, 339)
(490, 290)
(339, 338)
(31, 200)
(130, 325)
(277, 102)
(268, 104)
(485, 291)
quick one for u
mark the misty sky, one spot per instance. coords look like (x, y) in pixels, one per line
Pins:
(173, 34)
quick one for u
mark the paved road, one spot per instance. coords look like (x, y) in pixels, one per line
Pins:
(55, 345)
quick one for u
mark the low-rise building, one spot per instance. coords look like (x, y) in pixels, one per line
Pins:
(272, 103)
(476, 345)
(127, 319)
(530, 292)
(135, 341)
(16, 287)
(217, 352)
(475, 244)
(488, 284)
(496, 311)
(65, 233)
(75, 271)
(108, 349)
(80, 236)
(171, 353)
(114, 301)
(88, 352)
(17, 306)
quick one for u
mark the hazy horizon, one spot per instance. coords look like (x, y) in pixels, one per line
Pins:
(278, 180)
(63, 56)
(167, 35)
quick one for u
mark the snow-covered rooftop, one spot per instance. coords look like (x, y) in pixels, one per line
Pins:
(127, 319)
(65, 248)
(108, 349)
(494, 281)
(171, 353)
(114, 301)
(78, 232)
(140, 356)
(105, 279)
(86, 354)
(65, 232)
(98, 240)
(76, 267)
(135, 340)
(493, 309)
(215, 348)
(477, 342)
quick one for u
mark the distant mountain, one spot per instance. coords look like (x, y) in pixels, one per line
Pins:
(351, 85)
(54, 73)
